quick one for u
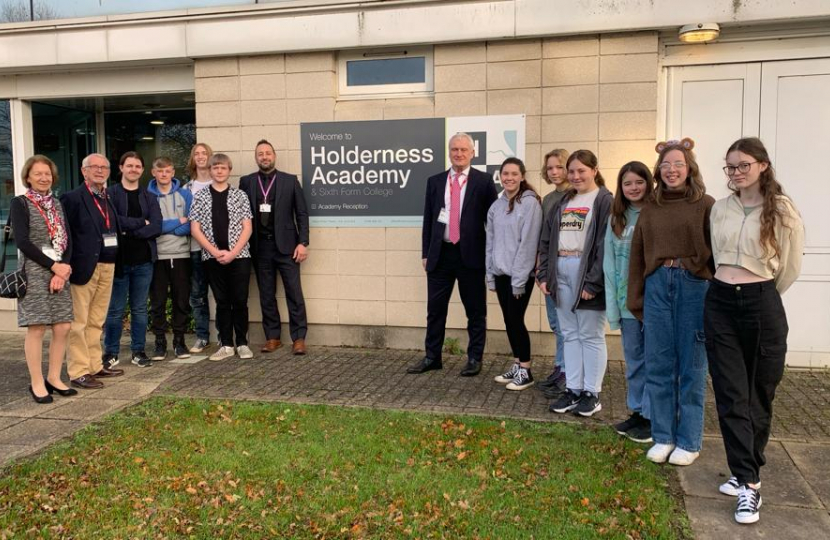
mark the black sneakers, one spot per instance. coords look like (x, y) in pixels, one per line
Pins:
(109, 361)
(566, 402)
(749, 505)
(625, 425)
(588, 405)
(160, 350)
(636, 427)
(179, 348)
(140, 359)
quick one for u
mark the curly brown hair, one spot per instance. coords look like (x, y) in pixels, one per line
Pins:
(695, 188)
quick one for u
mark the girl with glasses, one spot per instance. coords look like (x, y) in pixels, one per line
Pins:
(671, 261)
(757, 242)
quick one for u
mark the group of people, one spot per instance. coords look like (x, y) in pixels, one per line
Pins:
(96, 248)
(688, 281)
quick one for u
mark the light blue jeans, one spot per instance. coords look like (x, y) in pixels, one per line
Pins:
(633, 342)
(675, 356)
(586, 356)
(553, 321)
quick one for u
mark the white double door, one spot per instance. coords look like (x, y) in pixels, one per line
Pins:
(786, 104)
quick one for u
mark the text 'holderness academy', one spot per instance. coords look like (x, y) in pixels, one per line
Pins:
(322, 159)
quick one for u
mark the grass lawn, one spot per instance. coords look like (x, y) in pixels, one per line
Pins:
(207, 469)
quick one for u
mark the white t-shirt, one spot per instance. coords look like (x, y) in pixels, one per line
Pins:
(576, 216)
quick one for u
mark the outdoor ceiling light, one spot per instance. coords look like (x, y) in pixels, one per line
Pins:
(699, 33)
(157, 122)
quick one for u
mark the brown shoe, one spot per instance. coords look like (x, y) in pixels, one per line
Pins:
(108, 373)
(299, 347)
(271, 345)
(88, 382)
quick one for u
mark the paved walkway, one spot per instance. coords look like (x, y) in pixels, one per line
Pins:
(796, 483)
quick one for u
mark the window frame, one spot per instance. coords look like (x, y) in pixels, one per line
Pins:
(377, 90)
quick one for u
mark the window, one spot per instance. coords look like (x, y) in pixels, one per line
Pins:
(6, 180)
(404, 71)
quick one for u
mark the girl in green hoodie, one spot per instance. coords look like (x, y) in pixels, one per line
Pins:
(634, 186)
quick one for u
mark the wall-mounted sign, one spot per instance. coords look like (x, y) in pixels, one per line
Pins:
(374, 173)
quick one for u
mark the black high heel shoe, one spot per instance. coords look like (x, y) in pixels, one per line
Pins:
(45, 399)
(65, 393)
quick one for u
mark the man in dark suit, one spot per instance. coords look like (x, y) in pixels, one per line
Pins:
(279, 244)
(94, 228)
(453, 247)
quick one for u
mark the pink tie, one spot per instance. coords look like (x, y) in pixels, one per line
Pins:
(455, 209)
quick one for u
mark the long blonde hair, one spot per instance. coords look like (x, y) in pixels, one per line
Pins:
(191, 162)
(562, 155)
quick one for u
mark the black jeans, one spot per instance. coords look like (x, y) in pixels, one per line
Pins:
(746, 342)
(229, 283)
(172, 274)
(514, 310)
(473, 291)
(269, 262)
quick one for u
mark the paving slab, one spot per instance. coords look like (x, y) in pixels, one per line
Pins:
(27, 408)
(38, 431)
(7, 421)
(814, 463)
(9, 452)
(86, 409)
(128, 389)
(782, 483)
(712, 519)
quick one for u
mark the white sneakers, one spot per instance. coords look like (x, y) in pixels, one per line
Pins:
(731, 487)
(660, 453)
(682, 457)
(222, 353)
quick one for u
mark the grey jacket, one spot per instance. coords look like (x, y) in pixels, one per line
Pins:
(174, 242)
(591, 277)
(512, 240)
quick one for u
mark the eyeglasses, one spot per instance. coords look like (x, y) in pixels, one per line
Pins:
(743, 167)
(679, 165)
(99, 168)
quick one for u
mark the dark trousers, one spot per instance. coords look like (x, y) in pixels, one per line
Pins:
(199, 296)
(514, 310)
(269, 263)
(229, 284)
(746, 342)
(473, 291)
(171, 275)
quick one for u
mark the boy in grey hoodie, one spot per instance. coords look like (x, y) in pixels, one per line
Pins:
(172, 269)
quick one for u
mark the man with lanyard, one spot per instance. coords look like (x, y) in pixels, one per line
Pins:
(94, 229)
(279, 244)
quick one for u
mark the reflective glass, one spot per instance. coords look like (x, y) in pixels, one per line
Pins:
(7, 179)
(386, 71)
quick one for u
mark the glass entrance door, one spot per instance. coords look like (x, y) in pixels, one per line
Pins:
(65, 135)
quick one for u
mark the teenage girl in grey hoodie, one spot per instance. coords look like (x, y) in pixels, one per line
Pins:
(514, 222)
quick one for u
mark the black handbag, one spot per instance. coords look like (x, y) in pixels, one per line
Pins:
(12, 284)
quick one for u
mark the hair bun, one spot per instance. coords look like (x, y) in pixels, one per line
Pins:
(686, 142)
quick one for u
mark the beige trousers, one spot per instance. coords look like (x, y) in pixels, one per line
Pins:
(90, 303)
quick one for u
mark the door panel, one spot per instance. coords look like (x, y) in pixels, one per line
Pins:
(714, 105)
(795, 127)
